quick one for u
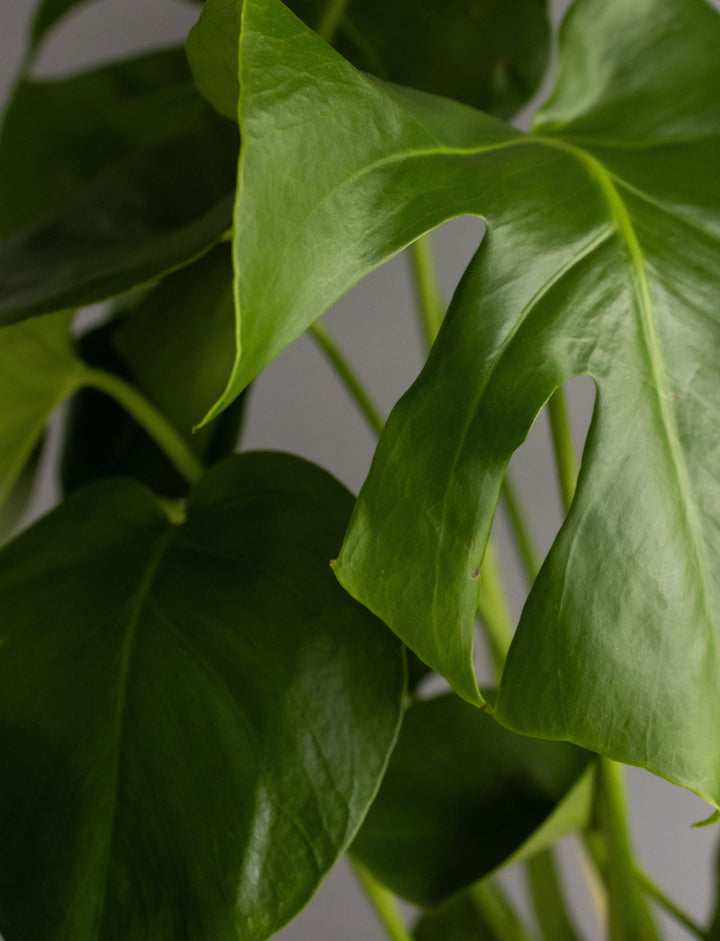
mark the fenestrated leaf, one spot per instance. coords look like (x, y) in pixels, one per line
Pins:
(38, 370)
(18, 498)
(193, 718)
(488, 53)
(108, 179)
(602, 257)
(175, 345)
(463, 796)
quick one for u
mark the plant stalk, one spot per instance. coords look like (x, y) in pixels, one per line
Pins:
(428, 296)
(563, 446)
(548, 900)
(167, 438)
(330, 20)
(493, 608)
(383, 903)
(523, 538)
(348, 376)
(629, 917)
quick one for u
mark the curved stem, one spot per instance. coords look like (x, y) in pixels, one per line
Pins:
(430, 304)
(547, 898)
(523, 538)
(493, 608)
(330, 20)
(150, 419)
(383, 902)
(655, 892)
(563, 446)
(348, 375)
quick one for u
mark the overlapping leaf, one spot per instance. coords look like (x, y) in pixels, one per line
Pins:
(602, 257)
(193, 718)
(463, 796)
(175, 345)
(38, 370)
(488, 53)
(108, 179)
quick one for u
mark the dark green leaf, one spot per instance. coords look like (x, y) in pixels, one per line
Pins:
(193, 718)
(603, 258)
(107, 180)
(488, 53)
(38, 371)
(462, 797)
(480, 914)
(176, 346)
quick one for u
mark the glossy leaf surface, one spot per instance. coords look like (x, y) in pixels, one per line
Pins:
(108, 179)
(463, 796)
(38, 371)
(175, 345)
(488, 53)
(602, 258)
(236, 708)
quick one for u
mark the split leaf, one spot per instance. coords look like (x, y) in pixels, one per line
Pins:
(237, 708)
(602, 258)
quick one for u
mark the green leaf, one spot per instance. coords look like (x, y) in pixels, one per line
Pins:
(602, 258)
(108, 179)
(38, 371)
(17, 501)
(463, 796)
(175, 345)
(482, 913)
(488, 53)
(236, 708)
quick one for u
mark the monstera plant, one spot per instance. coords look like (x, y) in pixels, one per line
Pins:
(219, 670)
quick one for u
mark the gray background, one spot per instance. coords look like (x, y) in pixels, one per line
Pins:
(298, 406)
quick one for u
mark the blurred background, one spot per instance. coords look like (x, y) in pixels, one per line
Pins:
(297, 405)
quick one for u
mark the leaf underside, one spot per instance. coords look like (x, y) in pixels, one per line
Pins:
(236, 707)
(602, 258)
(462, 797)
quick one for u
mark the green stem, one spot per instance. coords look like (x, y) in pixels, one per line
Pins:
(496, 913)
(655, 892)
(149, 418)
(347, 374)
(493, 608)
(430, 304)
(548, 899)
(563, 446)
(629, 918)
(383, 902)
(523, 538)
(330, 20)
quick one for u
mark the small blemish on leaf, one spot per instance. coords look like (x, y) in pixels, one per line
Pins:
(475, 574)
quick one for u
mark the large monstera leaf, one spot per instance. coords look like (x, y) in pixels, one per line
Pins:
(602, 258)
(108, 179)
(188, 747)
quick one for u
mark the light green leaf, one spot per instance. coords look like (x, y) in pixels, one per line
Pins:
(236, 708)
(488, 53)
(38, 370)
(175, 345)
(108, 179)
(602, 258)
(463, 796)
